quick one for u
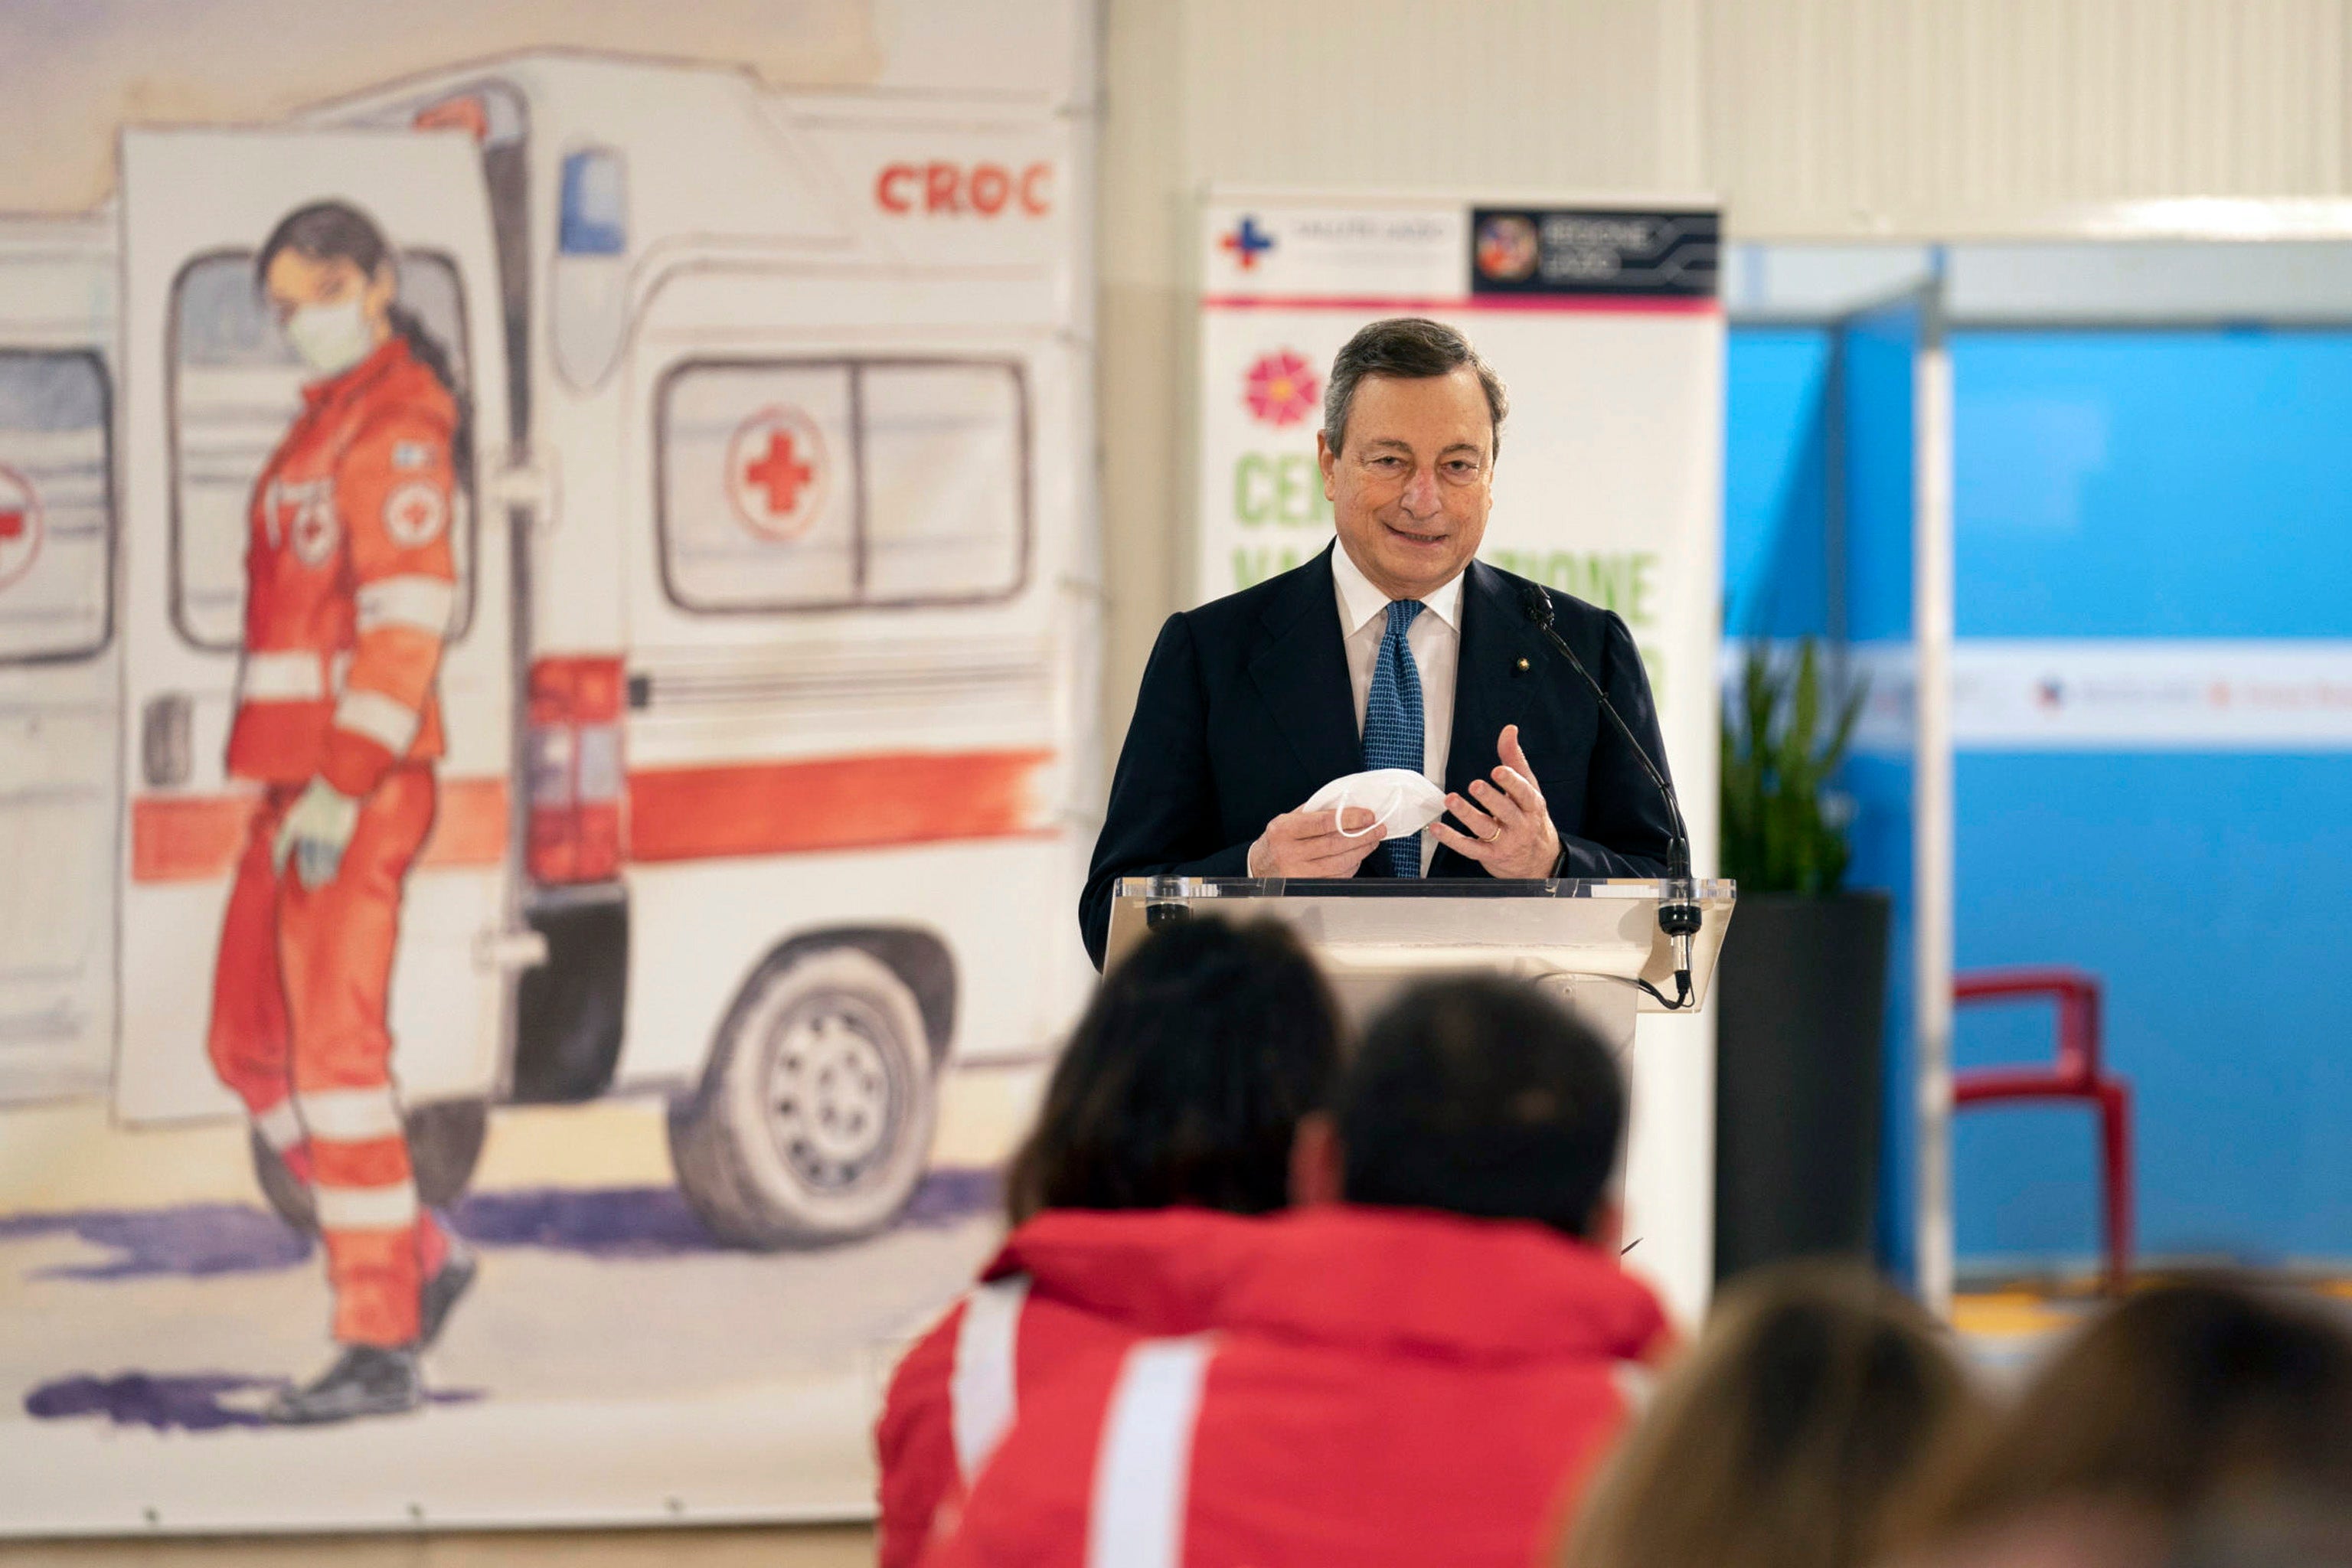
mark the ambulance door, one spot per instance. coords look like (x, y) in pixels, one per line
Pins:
(59, 679)
(211, 388)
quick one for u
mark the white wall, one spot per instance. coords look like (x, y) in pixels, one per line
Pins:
(1812, 119)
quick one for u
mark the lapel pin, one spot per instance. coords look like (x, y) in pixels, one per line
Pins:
(1522, 666)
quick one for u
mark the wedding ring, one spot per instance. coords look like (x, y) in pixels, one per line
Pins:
(1489, 838)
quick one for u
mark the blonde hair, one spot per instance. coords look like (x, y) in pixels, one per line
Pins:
(1799, 1434)
(2182, 1401)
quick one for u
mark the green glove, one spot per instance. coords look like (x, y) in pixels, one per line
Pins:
(316, 832)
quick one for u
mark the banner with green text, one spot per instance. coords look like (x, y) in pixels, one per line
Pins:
(1603, 324)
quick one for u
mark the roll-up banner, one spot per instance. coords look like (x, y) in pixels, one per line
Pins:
(1602, 321)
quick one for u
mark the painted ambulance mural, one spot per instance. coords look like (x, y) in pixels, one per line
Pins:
(759, 663)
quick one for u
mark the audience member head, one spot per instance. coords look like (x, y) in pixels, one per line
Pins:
(1185, 1080)
(1798, 1433)
(2207, 1403)
(1476, 1097)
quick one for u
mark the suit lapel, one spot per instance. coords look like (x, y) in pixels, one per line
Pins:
(1300, 670)
(1494, 637)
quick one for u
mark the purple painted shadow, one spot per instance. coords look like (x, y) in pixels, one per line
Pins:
(657, 1222)
(192, 1241)
(185, 1401)
(204, 1240)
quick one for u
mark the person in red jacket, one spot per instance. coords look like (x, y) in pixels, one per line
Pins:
(1184, 1084)
(1421, 1365)
(351, 581)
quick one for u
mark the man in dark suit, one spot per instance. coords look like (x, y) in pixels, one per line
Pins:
(1393, 648)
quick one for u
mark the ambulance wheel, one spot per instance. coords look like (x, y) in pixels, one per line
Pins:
(445, 1140)
(813, 1120)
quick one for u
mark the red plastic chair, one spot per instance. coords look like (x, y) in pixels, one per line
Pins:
(2076, 1074)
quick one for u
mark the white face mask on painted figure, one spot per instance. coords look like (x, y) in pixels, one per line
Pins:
(331, 338)
(1402, 801)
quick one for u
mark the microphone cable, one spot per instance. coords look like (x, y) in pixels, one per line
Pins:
(1678, 916)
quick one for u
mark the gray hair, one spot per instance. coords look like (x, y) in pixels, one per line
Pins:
(1412, 348)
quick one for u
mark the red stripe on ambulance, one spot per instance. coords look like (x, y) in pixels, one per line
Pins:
(838, 803)
(198, 837)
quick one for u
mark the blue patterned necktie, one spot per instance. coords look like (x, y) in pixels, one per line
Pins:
(1392, 723)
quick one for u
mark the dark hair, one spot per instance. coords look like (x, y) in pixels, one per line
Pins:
(1803, 1432)
(1482, 1097)
(2186, 1397)
(1414, 348)
(1185, 1080)
(337, 231)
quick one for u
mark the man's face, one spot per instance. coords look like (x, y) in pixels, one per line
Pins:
(1411, 490)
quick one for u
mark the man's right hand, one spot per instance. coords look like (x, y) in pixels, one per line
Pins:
(1309, 843)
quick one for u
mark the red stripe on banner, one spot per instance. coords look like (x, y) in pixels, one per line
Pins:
(195, 838)
(846, 803)
(1605, 304)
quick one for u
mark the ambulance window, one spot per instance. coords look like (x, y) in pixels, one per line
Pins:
(809, 484)
(945, 475)
(236, 389)
(56, 506)
(759, 491)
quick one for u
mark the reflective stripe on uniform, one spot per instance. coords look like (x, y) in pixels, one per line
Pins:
(290, 675)
(390, 724)
(293, 676)
(1143, 1472)
(415, 600)
(278, 1126)
(389, 1208)
(350, 1115)
(980, 1398)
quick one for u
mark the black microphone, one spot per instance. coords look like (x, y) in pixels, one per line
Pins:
(1678, 917)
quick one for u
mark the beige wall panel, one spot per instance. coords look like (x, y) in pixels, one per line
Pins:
(1914, 116)
(1810, 118)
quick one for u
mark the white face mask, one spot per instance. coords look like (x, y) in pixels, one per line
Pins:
(1402, 801)
(331, 338)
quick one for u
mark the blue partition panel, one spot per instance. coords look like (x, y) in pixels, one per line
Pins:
(2156, 486)
(1776, 576)
(1880, 352)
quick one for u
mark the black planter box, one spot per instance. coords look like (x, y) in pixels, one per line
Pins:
(1800, 993)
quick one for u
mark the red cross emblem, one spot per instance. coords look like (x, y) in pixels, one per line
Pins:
(20, 526)
(776, 473)
(414, 515)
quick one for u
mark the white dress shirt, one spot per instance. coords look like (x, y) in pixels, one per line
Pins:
(1435, 639)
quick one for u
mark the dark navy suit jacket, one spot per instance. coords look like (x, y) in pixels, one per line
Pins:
(1246, 710)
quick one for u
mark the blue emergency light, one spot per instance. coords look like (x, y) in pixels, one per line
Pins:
(596, 219)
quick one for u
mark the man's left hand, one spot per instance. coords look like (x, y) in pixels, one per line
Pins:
(1512, 836)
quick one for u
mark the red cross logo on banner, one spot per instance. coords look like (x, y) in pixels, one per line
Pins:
(20, 526)
(776, 473)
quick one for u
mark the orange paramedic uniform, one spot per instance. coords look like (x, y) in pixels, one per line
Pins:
(351, 584)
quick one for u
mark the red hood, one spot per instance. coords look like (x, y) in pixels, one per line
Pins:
(1159, 1271)
(1410, 1281)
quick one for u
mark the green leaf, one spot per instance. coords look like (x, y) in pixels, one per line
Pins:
(1776, 767)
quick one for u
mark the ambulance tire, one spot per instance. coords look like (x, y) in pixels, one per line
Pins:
(813, 1120)
(445, 1140)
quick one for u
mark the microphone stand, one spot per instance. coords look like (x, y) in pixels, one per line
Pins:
(1678, 916)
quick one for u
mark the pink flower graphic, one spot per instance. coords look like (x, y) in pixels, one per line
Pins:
(1281, 388)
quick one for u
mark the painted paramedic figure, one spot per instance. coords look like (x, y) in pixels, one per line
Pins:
(350, 587)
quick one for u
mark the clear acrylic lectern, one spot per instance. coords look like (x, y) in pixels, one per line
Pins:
(1593, 942)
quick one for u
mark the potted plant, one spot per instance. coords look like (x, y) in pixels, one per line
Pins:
(1800, 986)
